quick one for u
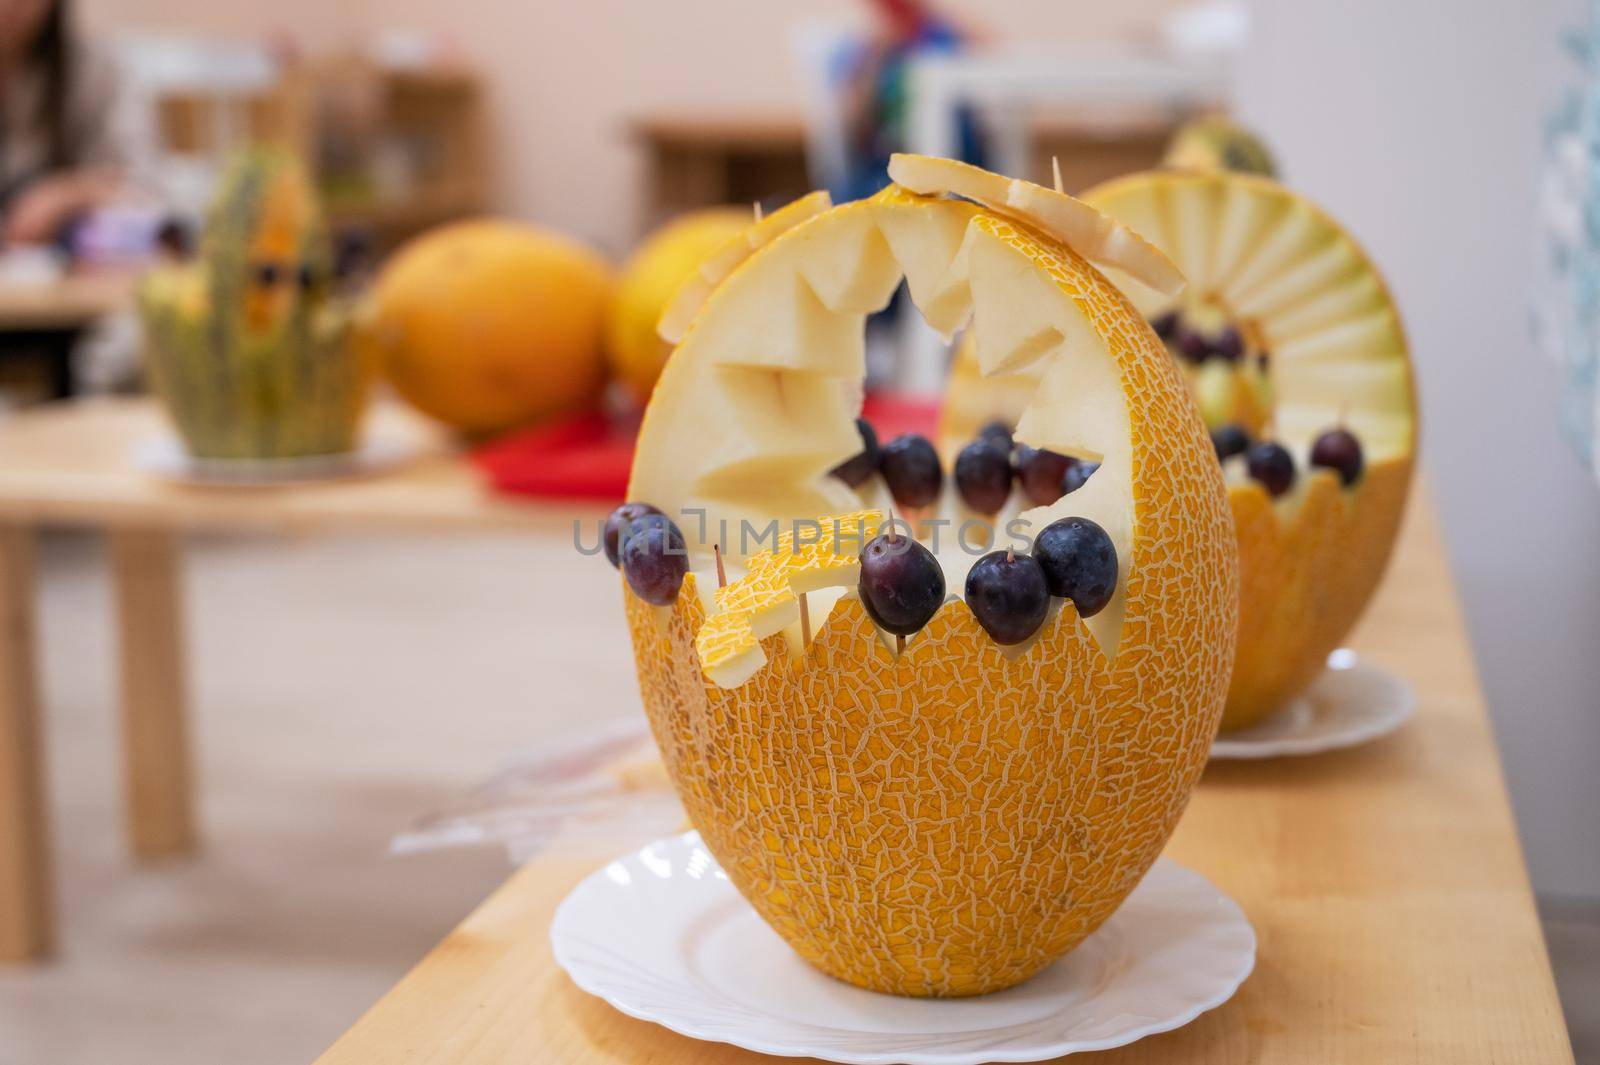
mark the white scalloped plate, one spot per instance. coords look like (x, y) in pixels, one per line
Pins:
(662, 935)
(166, 457)
(1352, 703)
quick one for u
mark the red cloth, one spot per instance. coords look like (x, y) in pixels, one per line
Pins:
(588, 457)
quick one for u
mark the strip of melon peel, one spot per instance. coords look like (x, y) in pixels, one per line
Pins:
(1094, 235)
(813, 555)
(715, 268)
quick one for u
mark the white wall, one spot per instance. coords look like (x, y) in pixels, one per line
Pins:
(1419, 125)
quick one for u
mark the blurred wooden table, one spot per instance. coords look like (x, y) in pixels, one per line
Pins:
(1386, 885)
(49, 316)
(72, 464)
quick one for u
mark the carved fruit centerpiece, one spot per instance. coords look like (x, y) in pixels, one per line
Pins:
(248, 345)
(926, 793)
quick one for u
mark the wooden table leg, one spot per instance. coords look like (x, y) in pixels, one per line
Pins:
(155, 730)
(27, 908)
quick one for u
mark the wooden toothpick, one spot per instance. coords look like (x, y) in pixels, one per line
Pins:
(757, 206)
(805, 622)
(722, 574)
(899, 645)
(1055, 171)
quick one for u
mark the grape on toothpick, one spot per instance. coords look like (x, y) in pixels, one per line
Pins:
(983, 477)
(1193, 345)
(622, 521)
(864, 463)
(654, 560)
(1009, 595)
(1271, 465)
(1077, 473)
(1338, 450)
(1039, 472)
(901, 584)
(1229, 440)
(911, 469)
(1166, 325)
(1079, 562)
(1228, 344)
(999, 434)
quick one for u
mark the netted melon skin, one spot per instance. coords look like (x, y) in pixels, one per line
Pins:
(946, 823)
(1305, 580)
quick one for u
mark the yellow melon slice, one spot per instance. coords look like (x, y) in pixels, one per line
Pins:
(808, 558)
(1096, 236)
(1305, 292)
(950, 819)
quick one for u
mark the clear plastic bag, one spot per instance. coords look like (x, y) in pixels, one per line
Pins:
(605, 792)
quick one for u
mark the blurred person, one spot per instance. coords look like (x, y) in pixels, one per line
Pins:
(59, 155)
(878, 96)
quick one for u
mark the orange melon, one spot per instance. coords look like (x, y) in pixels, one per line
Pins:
(648, 280)
(948, 819)
(490, 324)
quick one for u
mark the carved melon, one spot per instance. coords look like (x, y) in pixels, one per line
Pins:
(951, 818)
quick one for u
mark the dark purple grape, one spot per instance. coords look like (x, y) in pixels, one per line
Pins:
(1272, 465)
(1077, 473)
(997, 433)
(983, 476)
(1008, 595)
(901, 583)
(1040, 472)
(911, 468)
(1228, 344)
(654, 560)
(626, 515)
(1339, 450)
(864, 463)
(1193, 345)
(1229, 440)
(1079, 562)
(1166, 325)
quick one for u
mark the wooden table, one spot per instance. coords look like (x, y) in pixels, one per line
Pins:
(49, 317)
(1386, 885)
(72, 464)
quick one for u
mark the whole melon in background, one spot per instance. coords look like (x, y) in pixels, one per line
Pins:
(491, 324)
(647, 282)
(1218, 143)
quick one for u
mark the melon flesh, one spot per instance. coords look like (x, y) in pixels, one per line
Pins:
(714, 268)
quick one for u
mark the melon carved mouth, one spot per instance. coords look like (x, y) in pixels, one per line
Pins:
(784, 342)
